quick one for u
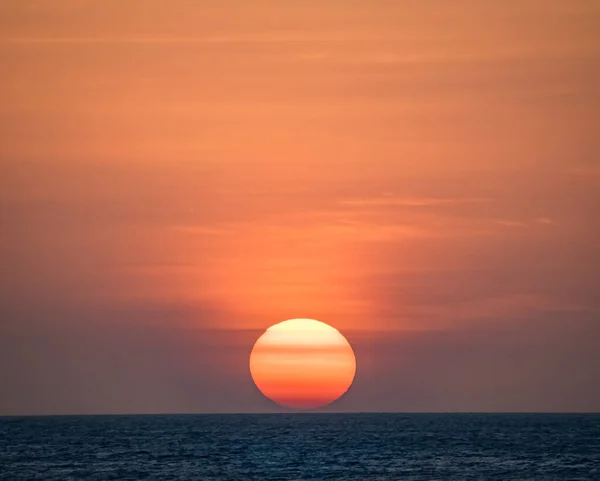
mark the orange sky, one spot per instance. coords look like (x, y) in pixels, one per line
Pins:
(408, 167)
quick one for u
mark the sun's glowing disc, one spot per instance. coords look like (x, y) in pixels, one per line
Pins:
(302, 363)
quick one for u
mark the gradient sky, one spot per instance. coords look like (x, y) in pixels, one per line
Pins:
(178, 176)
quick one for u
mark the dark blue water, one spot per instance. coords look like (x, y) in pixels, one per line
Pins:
(302, 446)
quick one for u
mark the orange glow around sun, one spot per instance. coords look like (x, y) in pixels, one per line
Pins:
(302, 363)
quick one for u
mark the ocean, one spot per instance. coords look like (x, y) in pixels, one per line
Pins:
(282, 447)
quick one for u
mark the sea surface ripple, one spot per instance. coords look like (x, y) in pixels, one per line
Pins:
(371, 447)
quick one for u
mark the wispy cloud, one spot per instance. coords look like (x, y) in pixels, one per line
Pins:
(392, 200)
(524, 223)
(267, 38)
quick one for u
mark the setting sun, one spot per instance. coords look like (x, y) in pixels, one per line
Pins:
(302, 363)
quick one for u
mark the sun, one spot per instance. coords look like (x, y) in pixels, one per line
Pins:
(302, 364)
